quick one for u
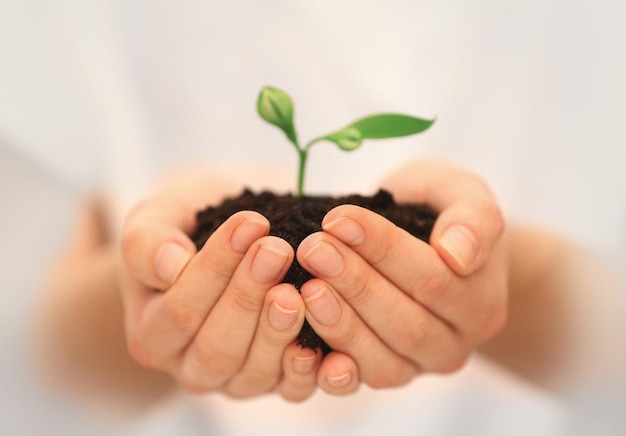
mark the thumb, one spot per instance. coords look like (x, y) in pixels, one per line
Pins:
(466, 232)
(470, 222)
(155, 246)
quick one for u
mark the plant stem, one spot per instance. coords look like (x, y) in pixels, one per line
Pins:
(303, 154)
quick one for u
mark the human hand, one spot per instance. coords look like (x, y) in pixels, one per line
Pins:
(218, 319)
(393, 307)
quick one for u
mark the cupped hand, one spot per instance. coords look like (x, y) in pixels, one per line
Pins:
(218, 319)
(392, 306)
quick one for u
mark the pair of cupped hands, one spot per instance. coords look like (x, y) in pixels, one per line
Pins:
(389, 305)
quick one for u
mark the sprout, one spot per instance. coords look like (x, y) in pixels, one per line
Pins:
(275, 107)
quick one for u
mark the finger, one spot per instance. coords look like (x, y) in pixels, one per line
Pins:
(416, 269)
(299, 373)
(222, 344)
(162, 324)
(155, 244)
(407, 262)
(339, 374)
(395, 317)
(470, 222)
(280, 322)
(342, 329)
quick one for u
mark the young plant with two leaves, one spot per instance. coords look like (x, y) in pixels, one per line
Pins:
(276, 107)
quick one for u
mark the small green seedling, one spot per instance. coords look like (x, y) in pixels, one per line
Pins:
(275, 107)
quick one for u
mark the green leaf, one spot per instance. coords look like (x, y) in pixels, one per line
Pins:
(275, 107)
(381, 126)
(376, 126)
(347, 139)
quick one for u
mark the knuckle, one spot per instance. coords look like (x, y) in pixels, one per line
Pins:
(343, 334)
(248, 301)
(361, 289)
(210, 367)
(416, 333)
(412, 338)
(186, 320)
(435, 286)
(221, 267)
(430, 283)
(380, 253)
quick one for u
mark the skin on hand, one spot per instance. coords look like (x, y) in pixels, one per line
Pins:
(300, 366)
(385, 299)
(219, 319)
(389, 302)
(443, 310)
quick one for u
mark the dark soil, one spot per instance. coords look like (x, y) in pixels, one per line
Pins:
(294, 218)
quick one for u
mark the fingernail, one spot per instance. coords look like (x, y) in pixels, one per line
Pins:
(347, 230)
(170, 261)
(268, 264)
(324, 259)
(323, 306)
(246, 233)
(339, 381)
(303, 364)
(461, 244)
(280, 317)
